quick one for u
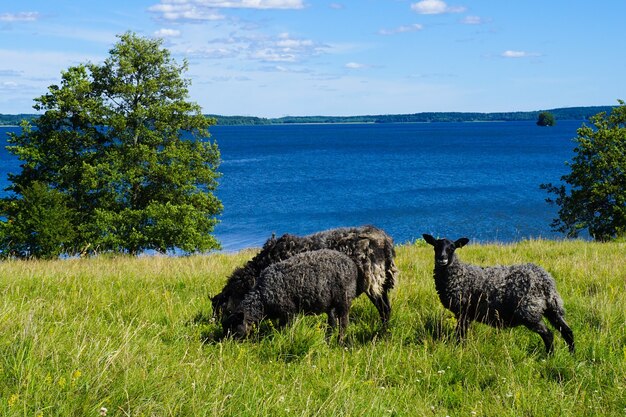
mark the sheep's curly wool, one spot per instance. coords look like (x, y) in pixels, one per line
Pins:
(501, 296)
(321, 281)
(370, 248)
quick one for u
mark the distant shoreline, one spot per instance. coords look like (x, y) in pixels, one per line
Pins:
(565, 113)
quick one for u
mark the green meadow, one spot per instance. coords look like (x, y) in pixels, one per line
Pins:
(134, 336)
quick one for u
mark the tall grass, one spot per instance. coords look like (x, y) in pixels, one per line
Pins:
(133, 335)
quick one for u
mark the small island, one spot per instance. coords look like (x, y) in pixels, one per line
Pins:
(545, 118)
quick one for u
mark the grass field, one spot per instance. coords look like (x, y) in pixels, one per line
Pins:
(133, 335)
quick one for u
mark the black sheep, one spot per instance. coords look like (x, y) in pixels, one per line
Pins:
(501, 296)
(370, 248)
(321, 281)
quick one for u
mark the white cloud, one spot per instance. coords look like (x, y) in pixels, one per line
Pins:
(336, 6)
(10, 73)
(355, 65)
(473, 20)
(293, 70)
(185, 11)
(253, 4)
(167, 33)
(285, 42)
(19, 17)
(284, 48)
(434, 75)
(8, 85)
(402, 29)
(435, 7)
(206, 10)
(199, 10)
(212, 53)
(273, 55)
(518, 54)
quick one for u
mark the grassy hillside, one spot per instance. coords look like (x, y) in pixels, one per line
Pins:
(127, 334)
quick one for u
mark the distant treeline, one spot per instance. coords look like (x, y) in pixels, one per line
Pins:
(14, 119)
(568, 113)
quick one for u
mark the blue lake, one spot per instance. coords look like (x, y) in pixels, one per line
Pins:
(479, 180)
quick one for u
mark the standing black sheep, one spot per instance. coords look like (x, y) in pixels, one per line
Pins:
(501, 296)
(370, 248)
(321, 281)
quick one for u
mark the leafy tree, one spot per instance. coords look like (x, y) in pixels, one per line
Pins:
(545, 119)
(593, 195)
(124, 152)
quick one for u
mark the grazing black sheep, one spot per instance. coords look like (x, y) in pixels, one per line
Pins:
(370, 248)
(501, 296)
(321, 281)
(243, 279)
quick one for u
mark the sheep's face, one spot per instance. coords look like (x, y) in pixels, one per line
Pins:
(444, 249)
(236, 326)
(224, 305)
(217, 302)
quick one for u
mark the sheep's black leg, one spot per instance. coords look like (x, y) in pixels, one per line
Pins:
(343, 325)
(381, 302)
(544, 332)
(386, 306)
(332, 323)
(462, 323)
(377, 304)
(332, 318)
(284, 321)
(559, 323)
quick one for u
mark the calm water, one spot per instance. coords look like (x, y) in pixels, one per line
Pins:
(479, 180)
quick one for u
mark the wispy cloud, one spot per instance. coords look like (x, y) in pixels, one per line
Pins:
(433, 75)
(435, 7)
(184, 11)
(206, 10)
(285, 48)
(518, 54)
(213, 52)
(10, 73)
(287, 69)
(355, 66)
(473, 20)
(273, 55)
(401, 29)
(19, 17)
(336, 6)
(220, 79)
(167, 33)
(253, 4)
(8, 85)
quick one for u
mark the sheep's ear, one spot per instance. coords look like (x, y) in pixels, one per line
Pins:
(429, 239)
(461, 242)
(215, 301)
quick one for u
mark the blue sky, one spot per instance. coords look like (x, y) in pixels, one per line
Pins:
(273, 58)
